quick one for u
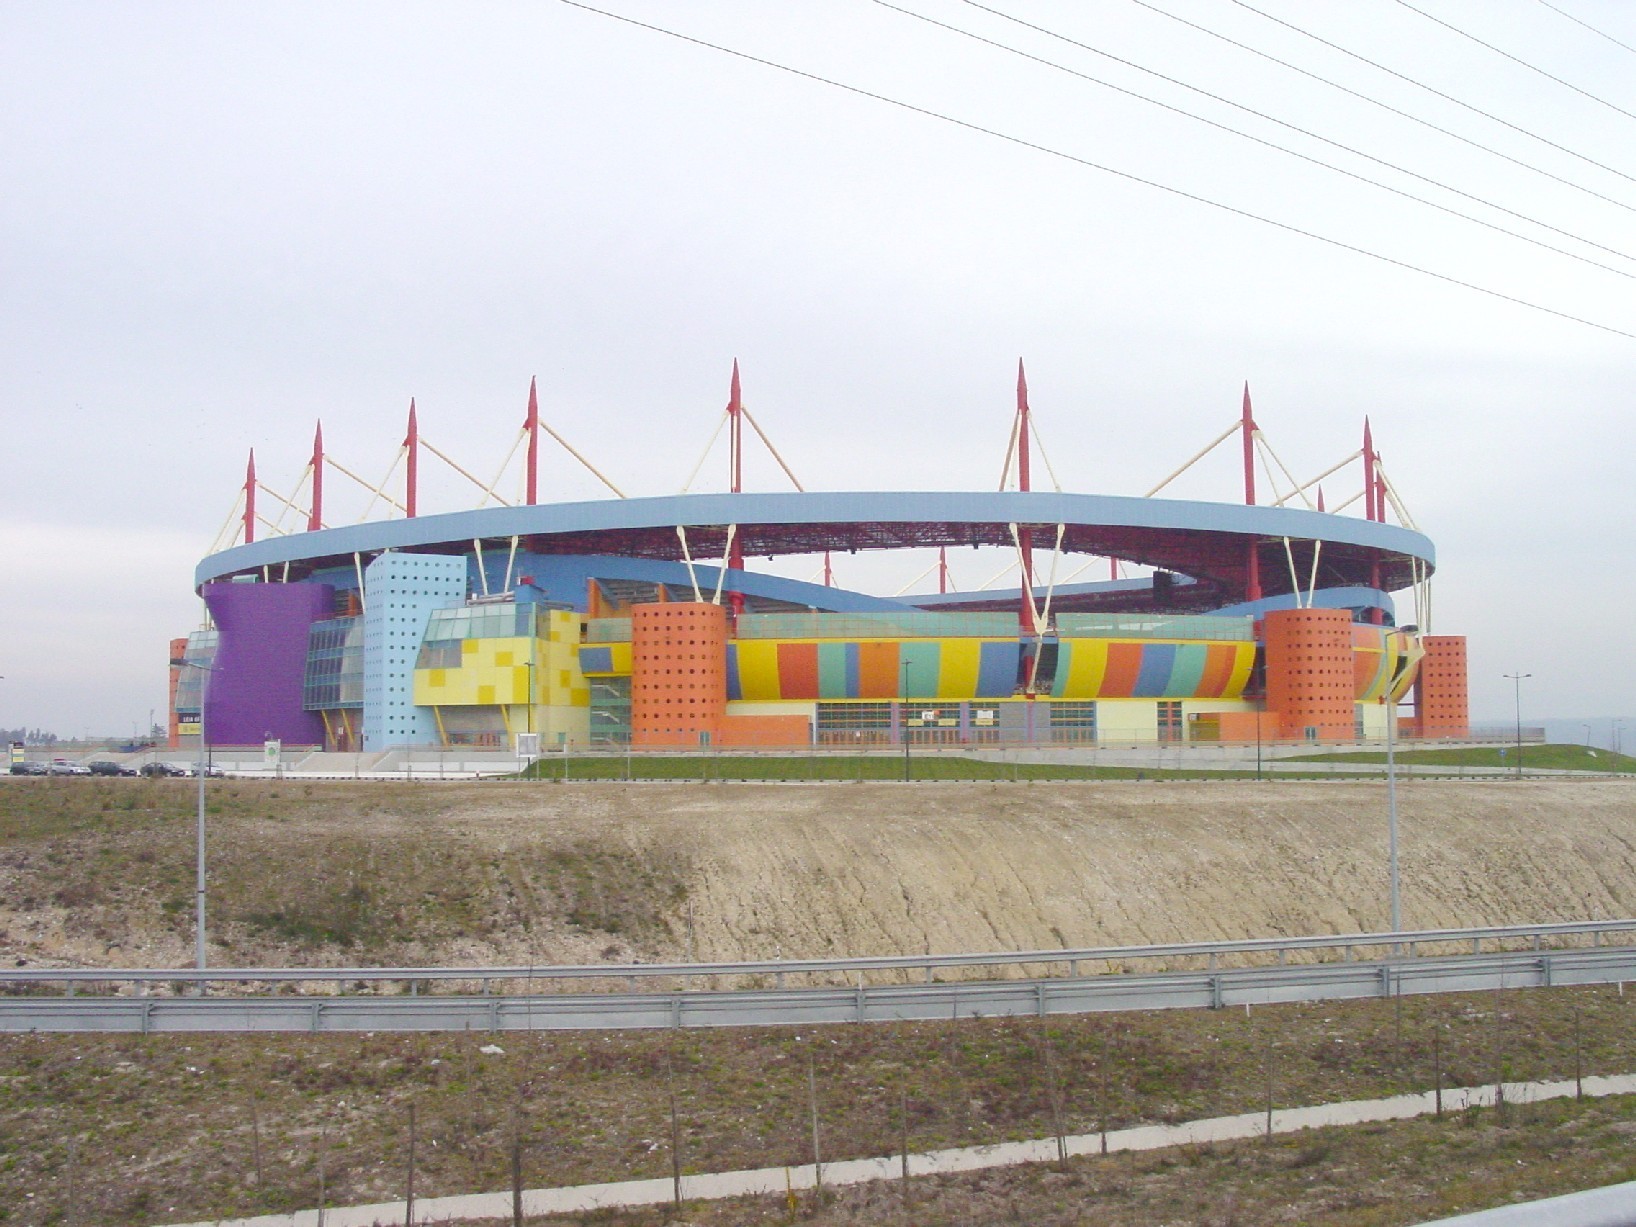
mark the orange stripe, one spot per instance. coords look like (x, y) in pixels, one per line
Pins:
(877, 670)
(1124, 664)
(798, 670)
(1218, 670)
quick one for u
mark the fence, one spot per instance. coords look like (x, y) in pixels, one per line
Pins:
(127, 1129)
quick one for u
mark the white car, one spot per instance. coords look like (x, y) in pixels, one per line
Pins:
(61, 766)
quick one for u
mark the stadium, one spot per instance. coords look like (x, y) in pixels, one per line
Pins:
(637, 622)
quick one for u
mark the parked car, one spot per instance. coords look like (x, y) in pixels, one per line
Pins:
(211, 771)
(61, 766)
(162, 769)
(28, 768)
(104, 766)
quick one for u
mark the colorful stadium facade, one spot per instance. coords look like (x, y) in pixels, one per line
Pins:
(594, 624)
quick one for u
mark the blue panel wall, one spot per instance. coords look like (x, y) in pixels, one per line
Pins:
(400, 592)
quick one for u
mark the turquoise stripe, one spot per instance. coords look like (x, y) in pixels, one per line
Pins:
(832, 672)
(924, 661)
(1187, 671)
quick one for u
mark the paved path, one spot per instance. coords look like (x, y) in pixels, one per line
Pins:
(579, 1198)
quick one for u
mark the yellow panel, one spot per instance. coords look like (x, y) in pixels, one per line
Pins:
(1087, 665)
(1242, 667)
(468, 647)
(758, 670)
(505, 659)
(485, 696)
(959, 660)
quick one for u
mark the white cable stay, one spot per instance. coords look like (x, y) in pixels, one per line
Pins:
(726, 554)
(1307, 485)
(500, 473)
(687, 557)
(1265, 450)
(377, 491)
(574, 452)
(1010, 454)
(1034, 425)
(1340, 507)
(488, 492)
(705, 455)
(1392, 497)
(768, 444)
(1197, 456)
(999, 575)
(403, 450)
(233, 513)
(289, 503)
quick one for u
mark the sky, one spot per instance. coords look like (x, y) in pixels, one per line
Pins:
(223, 223)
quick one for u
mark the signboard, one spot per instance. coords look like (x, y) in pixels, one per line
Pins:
(17, 753)
(528, 746)
(271, 749)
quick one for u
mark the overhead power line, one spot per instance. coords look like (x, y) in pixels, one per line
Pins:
(1588, 26)
(1086, 162)
(1433, 90)
(1385, 106)
(1294, 153)
(1535, 68)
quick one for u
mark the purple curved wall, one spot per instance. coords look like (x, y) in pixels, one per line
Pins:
(254, 691)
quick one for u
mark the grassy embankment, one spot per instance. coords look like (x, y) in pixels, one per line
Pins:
(1571, 757)
(176, 1128)
(929, 765)
(305, 872)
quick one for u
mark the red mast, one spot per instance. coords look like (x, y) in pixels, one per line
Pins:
(315, 519)
(942, 568)
(1252, 558)
(735, 444)
(1370, 512)
(532, 424)
(411, 474)
(1025, 535)
(250, 499)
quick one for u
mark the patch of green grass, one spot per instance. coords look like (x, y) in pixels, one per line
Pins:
(926, 766)
(1551, 757)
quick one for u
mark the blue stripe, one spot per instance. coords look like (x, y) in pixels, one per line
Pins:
(734, 690)
(1153, 678)
(997, 670)
(852, 682)
(596, 660)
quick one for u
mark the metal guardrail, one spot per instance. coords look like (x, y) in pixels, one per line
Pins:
(809, 1006)
(1403, 944)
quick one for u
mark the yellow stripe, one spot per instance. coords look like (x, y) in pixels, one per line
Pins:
(758, 670)
(1240, 676)
(958, 662)
(1087, 666)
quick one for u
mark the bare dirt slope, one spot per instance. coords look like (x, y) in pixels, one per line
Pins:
(567, 873)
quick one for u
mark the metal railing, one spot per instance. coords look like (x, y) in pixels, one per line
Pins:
(1249, 952)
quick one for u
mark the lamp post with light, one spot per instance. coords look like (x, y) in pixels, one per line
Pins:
(1516, 679)
(202, 771)
(905, 722)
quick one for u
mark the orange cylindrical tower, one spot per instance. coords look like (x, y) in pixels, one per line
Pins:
(1310, 673)
(1440, 708)
(678, 673)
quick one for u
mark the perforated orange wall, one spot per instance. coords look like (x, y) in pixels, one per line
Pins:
(1440, 704)
(678, 673)
(1310, 672)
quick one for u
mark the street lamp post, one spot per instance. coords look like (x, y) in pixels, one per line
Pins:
(202, 771)
(1391, 810)
(905, 722)
(1516, 679)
